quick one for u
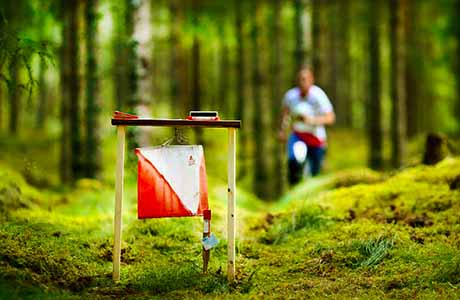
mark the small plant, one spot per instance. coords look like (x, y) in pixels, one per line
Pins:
(373, 250)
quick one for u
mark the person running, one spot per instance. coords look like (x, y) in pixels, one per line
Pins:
(306, 110)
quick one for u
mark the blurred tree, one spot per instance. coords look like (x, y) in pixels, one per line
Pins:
(224, 71)
(93, 107)
(240, 88)
(397, 79)
(412, 70)
(342, 33)
(261, 186)
(14, 95)
(174, 65)
(316, 34)
(374, 106)
(121, 46)
(276, 94)
(456, 24)
(196, 82)
(299, 8)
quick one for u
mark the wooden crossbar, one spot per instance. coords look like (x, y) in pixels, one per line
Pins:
(177, 123)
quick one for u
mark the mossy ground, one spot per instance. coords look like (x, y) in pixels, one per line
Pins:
(349, 234)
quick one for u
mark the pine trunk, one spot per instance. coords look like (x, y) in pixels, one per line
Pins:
(93, 151)
(457, 62)
(345, 115)
(261, 186)
(65, 155)
(174, 87)
(276, 96)
(299, 34)
(14, 95)
(411, 72)
(374, 107)
(397, 79)
(42, 96)
(316, 37)
(224, 70)
(74, 90)
(240, 89)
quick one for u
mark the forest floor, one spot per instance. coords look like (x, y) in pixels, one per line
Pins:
(353, 233)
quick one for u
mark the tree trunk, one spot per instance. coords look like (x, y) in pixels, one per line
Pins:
(132, 100)
(374, 107)
(174, 87)
(240, 89)
(276, 96)
(196, 82)
(261, 188)
(457, 61)
(412, 76)
(342, 32)
(435, 149)
(224, 70)
(74, 90)
(42, 96)
(120, 56)
(397, 79)
(316, 37)
(143, 37)
(299, 34)
(65, 155)
(93, 151)
(14, 95)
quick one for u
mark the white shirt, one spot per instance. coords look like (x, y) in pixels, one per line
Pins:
(315, 104)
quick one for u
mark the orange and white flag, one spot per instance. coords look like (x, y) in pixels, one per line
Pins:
(171, 181)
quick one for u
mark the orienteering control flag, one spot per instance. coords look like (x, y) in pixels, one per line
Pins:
(171, 181)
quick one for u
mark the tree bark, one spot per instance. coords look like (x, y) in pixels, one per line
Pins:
(299, 33)
(174, 88)
(224, 70)
(342, 32)
(261, 188)
(14, 95)
(74, 90)
(65, 150)
(120, 56)
(42, 95)
(316, 37)
(240, 88)
(93, 107)
(374, 107)
(457, 61)
(196, 64)
(398, 84)
(276, 96)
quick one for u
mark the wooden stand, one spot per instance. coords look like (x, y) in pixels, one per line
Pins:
(121, 124)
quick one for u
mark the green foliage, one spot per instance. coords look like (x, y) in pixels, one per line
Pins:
(15, 49)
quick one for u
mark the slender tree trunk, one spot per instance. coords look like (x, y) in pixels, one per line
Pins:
(276, 96)
(457, 61)
(261, 187)
(299, 33)
(120, 57)
(143, 37)
(132, 100)
(374, 107)
(93, 151)
(14, 95)
(65, 155)
(196, 82)
(240, 89)
(224, 70)
(342, 33)
(74, 91)
(316, 37)
(174, 59)
(411, 73)
(42, 95)
(1, 102)
(333, 61)
(398, 84)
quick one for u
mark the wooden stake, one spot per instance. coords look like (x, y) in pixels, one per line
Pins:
(121, 132)
(231, 204)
